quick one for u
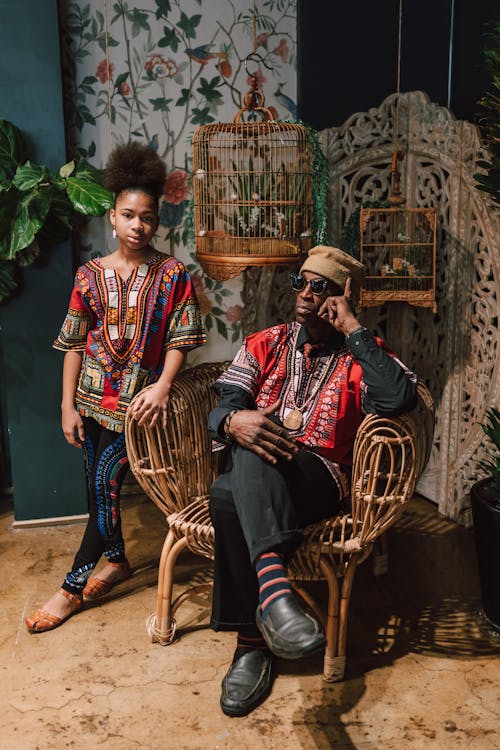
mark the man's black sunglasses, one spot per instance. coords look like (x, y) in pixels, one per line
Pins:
(318, 286)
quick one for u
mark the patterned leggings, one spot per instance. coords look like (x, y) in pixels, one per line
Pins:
(106, 464)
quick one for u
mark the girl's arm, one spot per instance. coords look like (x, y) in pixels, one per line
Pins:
(72, 424)
(152, 403)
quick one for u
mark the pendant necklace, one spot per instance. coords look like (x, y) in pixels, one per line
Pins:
(293, 420)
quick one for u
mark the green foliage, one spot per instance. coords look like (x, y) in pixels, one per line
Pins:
(39, 204)
(492, 464)
(351, 238)
(489, 121)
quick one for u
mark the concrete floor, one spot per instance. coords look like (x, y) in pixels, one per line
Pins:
(420, 672)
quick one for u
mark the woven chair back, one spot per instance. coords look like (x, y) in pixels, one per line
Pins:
(175, 465)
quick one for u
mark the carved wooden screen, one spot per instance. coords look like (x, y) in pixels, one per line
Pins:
(455, 351)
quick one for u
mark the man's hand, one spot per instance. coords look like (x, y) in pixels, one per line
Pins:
(253, 430)
(338, 311)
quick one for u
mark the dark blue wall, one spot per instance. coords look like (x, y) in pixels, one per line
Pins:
(46, 474)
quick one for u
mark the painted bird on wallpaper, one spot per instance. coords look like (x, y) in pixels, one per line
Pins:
(202, 54)
(154, 142)
(285, 101)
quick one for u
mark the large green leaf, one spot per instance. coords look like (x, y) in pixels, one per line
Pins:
(29, 175)
(67, 169)
(28, 255)
(8, 205)
(56, 180)
(12, 146)
(87, 197)
(5, 180)
(59, 220)
(8, 283)
(85, 171)
(30, 216)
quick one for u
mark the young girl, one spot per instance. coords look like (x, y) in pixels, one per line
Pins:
(132, 318)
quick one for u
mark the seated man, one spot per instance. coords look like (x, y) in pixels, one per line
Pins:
(290, 405)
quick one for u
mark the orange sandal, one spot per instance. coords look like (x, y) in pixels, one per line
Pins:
(40, 621)
(97, 587)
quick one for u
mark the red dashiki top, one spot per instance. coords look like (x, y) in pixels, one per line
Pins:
(124, 329)
(332, 413)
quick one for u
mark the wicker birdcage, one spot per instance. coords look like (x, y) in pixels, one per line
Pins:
(398, 250)
(253, 192)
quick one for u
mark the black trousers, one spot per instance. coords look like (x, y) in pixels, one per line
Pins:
(259, 507)
(106, 464)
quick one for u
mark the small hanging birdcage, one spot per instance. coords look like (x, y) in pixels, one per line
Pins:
(253, 192)
(398, 250)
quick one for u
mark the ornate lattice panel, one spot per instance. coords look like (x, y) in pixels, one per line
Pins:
(455, 350)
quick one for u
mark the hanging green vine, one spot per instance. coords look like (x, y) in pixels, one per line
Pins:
(320, 187)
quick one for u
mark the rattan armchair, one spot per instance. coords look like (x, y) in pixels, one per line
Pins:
(175, 467)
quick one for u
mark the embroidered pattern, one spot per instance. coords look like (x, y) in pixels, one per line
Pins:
(263, 366)
(124, 329)
(109, 473)
(78, 578)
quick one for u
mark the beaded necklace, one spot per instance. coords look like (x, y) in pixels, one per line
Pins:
(293, 420)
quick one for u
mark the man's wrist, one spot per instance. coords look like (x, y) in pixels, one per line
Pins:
(227, 424)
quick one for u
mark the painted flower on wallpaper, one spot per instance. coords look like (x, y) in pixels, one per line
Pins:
(261, 40)
(282, 50)
(176, 187)
(212, 296)
(226, 69)
(105, 71)
(175, 193)
(157, 67)
(261, 79)
(234, 313)
(160, 95)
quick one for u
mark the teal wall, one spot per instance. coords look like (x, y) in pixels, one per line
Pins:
(46, 474)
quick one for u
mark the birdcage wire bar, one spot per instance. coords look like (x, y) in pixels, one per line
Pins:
(253, 195)
(398, 250)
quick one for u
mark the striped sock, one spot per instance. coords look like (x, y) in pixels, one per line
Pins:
(273, 579)
(251, 642)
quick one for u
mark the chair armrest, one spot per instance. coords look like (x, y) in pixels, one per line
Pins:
(174, 464)
(390, 454)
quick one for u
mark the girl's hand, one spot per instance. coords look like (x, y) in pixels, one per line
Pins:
(72, 426)
(151, 406)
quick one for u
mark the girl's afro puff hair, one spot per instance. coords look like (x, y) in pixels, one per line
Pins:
(134, 165)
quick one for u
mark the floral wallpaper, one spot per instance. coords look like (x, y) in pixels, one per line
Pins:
(154, 72)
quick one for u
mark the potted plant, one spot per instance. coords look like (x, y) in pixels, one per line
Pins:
(485, 501)
(489, 119)
(39, 206)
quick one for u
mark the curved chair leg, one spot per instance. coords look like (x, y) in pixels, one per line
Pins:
(160, 625)
(333, 667)
(338, 611)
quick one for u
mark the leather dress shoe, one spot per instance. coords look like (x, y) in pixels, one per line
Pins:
(247, 682)
(288, 631)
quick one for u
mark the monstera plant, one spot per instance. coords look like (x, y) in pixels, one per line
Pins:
(39, 206)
